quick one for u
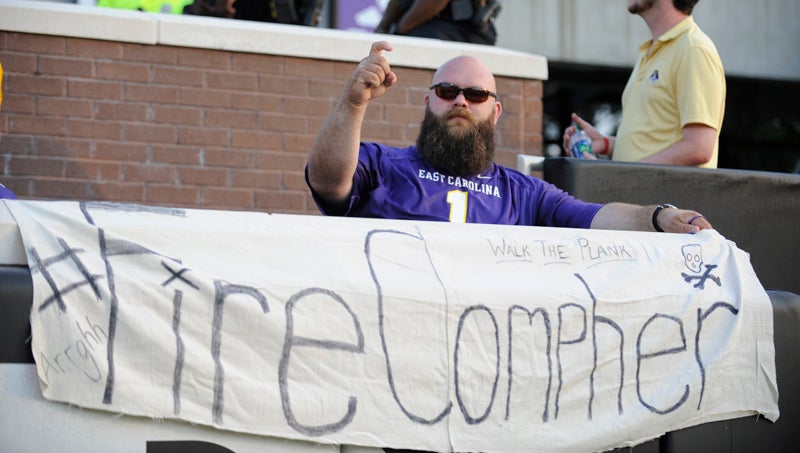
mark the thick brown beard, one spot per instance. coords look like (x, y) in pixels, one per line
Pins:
(464, 151)
(638, 9)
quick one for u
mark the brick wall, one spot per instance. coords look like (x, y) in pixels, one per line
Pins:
(88, 119)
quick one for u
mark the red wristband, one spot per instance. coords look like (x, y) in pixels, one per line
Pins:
(605, 142)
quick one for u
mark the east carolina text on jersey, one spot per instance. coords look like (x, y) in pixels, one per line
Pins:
(456, 181)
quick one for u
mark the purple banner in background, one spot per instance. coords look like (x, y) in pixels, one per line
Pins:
(359, 15)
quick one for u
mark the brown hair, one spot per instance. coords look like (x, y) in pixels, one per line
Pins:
(685, 6)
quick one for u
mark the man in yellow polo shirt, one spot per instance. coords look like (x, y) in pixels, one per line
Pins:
(674, 102)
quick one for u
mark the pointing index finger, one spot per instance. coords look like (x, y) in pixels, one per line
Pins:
(379, 46)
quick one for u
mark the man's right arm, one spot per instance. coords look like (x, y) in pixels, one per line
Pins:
(394, 11)
(420, 12)
(334, 153)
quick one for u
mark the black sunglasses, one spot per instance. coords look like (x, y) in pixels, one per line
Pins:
(448, 91)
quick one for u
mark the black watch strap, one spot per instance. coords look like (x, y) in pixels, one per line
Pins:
(655, 215)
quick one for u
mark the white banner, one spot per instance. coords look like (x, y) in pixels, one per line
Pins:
(395, 333)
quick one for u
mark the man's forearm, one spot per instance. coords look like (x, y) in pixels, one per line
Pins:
(624, 216)
(334, 153)
(696, 148)
(680, 153)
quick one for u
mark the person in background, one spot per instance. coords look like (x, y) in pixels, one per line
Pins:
(450, 175)
(213, 8)
(4, 191)
(674, 101)
(450, 20)
(151, 6)
(294, 12)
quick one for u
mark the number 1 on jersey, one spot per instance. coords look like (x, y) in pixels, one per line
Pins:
(458, 206)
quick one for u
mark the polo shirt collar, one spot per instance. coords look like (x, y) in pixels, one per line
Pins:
(679, 29)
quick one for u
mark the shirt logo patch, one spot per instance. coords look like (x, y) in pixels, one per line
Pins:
(654, 77)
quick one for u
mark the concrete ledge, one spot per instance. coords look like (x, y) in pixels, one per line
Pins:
(254, 37)
(61, 19)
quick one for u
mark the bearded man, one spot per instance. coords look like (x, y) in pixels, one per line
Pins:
(450, 174)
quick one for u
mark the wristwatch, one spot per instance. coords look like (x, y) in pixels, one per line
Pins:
(655, 215)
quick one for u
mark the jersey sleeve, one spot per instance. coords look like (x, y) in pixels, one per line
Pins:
(365, 179)
(556, 208)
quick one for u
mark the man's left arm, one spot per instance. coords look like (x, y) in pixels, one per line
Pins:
(700, 91)
(625, 216)
(696, 148)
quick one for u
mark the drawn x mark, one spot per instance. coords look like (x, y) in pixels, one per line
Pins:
(177, 275)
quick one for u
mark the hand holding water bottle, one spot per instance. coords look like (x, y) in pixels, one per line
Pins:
(597, 142)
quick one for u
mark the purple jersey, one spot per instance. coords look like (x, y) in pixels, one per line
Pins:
(395, 183)
(6, 193)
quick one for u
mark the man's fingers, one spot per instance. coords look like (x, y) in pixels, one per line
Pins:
(381, 66)
(373, 78)
(565, 138)
(373, 73)
(380, 46)
(700, 221)
(686, 221)
(581, 122)
(390, 79)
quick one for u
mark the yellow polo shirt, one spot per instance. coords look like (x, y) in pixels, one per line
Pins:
(681, 81)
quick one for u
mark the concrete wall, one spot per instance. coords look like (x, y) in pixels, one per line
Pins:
(103, 104)
(754, 38)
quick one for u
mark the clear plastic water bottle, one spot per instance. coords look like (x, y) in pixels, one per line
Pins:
(579, 143)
